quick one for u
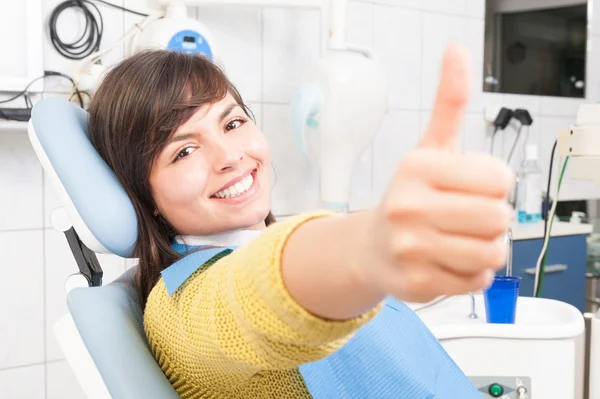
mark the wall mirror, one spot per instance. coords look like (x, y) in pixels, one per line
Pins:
(536, 47)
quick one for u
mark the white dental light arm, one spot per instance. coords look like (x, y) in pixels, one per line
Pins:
(337, 24)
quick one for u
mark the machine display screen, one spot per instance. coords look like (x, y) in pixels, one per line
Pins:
(190, 42)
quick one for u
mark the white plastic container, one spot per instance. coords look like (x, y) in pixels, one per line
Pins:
(595, 358)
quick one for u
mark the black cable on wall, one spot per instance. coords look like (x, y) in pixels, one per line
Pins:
(89, 41)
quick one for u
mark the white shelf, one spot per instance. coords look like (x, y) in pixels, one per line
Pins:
(12, 126)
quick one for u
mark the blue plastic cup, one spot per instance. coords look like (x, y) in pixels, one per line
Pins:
(501, 300)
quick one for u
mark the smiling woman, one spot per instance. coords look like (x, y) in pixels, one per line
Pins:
(182, 142)
(199, 178)
(249, 306)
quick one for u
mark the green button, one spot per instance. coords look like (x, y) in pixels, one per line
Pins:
(496, 390)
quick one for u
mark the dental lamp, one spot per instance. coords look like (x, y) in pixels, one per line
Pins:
(338, 109)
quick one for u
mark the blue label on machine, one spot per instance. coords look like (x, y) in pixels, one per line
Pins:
(190, 42)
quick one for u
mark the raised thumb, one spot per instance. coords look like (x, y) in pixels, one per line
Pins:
(451, 101)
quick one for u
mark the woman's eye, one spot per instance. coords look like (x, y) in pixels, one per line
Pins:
(234, 124)
(184, 153)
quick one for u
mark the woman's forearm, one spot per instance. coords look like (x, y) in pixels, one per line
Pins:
(322, 271)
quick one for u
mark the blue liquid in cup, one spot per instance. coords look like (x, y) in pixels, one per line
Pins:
(501, 300)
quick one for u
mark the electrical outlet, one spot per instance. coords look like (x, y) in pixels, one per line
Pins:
(491, 112)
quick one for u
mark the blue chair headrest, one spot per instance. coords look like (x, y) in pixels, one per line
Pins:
(97, 205)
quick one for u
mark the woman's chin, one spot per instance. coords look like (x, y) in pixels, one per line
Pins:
(251, 219)
(256, 222)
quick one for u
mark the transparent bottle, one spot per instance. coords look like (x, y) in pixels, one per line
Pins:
(529, 191)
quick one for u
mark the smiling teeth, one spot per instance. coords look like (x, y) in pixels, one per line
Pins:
(238, 188)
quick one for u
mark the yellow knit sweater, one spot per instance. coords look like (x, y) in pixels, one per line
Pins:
(232, 331)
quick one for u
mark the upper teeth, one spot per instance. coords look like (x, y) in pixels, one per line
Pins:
(237, 188)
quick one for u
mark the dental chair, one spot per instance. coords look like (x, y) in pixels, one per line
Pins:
(96, 217)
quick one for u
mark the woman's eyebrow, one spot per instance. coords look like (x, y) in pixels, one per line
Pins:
(185, 136)
(228, 111)
(181, 137)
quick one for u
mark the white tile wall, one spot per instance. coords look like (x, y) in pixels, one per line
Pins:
(238, 50)
(21, 296)
(295, 179)
(265, 52)
(360, 24)
(290, 48)
(61, 383)
(477, 134)
(399, 134)
(595, 20)
(23, 383)
(474, 31)
(256, 109)
(361, 191)
(456, 7)
(475, 8)
(21, 199)
(438, 31)
(416, 4)
(555, 106)
(593, 69)
(360, 33)
(397, 44)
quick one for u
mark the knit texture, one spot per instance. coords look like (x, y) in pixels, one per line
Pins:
(232, 331)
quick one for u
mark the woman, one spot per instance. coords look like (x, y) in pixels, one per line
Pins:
(183, 145)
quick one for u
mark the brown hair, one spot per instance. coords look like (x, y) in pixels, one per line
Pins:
(138, 106)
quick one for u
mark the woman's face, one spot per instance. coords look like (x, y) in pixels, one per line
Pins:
(213, 174)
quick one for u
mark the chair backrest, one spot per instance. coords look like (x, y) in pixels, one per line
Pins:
(97, 205)
(109, 318)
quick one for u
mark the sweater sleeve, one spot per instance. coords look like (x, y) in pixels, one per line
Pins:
(237, 314)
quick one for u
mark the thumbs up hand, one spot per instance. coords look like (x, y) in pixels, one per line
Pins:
(438, 229)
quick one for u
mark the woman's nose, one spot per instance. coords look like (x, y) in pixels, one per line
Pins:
(227, 156)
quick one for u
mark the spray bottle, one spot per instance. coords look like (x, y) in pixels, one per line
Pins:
(529, 196)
